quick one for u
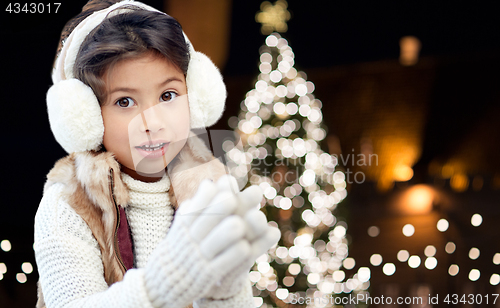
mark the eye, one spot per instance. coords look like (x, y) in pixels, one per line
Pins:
(168, 96)
(125, 102)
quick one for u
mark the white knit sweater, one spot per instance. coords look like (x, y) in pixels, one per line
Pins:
(69, 259)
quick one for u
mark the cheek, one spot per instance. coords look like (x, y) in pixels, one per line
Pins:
(115, 134)
(180, 121)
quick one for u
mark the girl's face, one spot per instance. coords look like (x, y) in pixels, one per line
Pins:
(146, 115)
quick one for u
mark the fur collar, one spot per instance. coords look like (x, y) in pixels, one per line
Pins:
(93, 184)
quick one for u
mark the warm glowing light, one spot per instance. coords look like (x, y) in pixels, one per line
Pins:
(447, 171)
(474, 275)
(417, 200)
(403, 173)
(5, 245)
(389, 269)
(373, 231)
(453, 270)
(476, 220)
(410, 48)
(408, 230)
(403, 255)
(474, 253)
(3, 268)
(442, 225)
(281, 119)
(450, 247)
(414, 261)
(459, 182)
(273, 17)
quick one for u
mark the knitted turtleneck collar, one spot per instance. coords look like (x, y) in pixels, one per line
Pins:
(147, 195)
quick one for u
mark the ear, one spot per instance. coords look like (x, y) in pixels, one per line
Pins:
(75, 116)
(206, 91)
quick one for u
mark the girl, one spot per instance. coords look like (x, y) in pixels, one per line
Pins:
(128, 89)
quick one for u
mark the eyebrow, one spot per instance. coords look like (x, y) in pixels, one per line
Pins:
(132, 90)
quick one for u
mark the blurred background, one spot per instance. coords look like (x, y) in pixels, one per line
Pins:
(413, 85)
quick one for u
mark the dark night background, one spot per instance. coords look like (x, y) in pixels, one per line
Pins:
(325, 35)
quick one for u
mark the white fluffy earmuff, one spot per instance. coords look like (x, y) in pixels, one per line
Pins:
(74, 112)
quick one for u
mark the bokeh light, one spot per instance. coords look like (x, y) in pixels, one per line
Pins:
(442, 225)
(414, 261)
(453, 270)
(389, 269)
(474, 274)
(476, 220)
(5, 245)
(403, 255)
(408, 230)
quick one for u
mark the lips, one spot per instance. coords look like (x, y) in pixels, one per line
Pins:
(153, 149)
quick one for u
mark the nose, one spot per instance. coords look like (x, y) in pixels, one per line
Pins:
(152, 119)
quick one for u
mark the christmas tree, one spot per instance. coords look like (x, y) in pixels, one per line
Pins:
(281, 129)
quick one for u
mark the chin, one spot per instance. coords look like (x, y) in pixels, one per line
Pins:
(150, 168)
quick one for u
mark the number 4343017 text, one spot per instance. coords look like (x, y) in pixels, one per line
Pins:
(32, 8)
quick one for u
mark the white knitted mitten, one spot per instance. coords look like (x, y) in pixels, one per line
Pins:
(260, 235)
(204, 244)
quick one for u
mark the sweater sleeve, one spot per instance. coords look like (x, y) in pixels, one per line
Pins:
(243, 299)
(69, 261)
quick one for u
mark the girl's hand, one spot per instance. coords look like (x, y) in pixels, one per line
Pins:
(258, 233)
(204, 244)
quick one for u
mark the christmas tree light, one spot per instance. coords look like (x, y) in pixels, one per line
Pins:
(281, 128)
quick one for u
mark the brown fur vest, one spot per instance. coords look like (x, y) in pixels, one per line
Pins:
(94, 189)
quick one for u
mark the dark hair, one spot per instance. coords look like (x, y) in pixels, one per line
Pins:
(124, 36)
